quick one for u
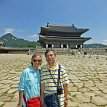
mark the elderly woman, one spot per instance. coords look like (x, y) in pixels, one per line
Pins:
(29, 84)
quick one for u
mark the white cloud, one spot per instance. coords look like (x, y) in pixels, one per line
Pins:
(8, 30)
(89, 41)
(104, 42)
(34, 37)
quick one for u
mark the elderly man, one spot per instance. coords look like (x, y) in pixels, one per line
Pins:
(54, 82)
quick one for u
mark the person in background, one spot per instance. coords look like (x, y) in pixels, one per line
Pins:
(49, 84)
(29, 84)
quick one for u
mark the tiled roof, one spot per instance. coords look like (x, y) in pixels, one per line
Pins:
(63, 28)
(64, 38)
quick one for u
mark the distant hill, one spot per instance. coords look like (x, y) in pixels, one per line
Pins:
(95, 45)
(12, 41)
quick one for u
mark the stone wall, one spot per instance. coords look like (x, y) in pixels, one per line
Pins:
(89, 51)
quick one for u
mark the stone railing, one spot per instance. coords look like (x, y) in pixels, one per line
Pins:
(84, 51)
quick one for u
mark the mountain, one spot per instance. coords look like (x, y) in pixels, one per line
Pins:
(12, 41)
(94, 45)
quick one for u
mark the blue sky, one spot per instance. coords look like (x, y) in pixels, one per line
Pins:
(23, 18)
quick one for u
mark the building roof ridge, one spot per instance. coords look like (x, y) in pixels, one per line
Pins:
(61, 25)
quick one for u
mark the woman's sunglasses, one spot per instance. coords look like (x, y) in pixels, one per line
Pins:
(36, 60)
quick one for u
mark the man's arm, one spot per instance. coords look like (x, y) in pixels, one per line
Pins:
(20, 98)
(65, 95)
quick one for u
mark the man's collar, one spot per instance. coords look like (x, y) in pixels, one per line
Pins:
(56, 67)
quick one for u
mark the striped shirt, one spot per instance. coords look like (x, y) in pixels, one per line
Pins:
(50, 80)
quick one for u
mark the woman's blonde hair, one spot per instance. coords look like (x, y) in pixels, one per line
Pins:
(34, 56)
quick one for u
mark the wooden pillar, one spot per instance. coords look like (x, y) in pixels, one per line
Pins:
(52, 45)
(46, 45)
(81, 46)
(67, 46)
(61, 45)
(76, 46)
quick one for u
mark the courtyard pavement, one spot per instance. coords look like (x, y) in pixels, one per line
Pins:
(87, 76)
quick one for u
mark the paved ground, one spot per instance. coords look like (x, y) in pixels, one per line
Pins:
(87, 75)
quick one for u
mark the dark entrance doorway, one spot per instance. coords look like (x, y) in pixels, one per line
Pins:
(64, 46)
(78, 46)
(49, 45)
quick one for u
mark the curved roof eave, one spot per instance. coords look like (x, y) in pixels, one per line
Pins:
(68, 30)
(82, 38)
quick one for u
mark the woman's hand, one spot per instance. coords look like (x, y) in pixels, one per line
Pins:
(65, 102)
(19, 105)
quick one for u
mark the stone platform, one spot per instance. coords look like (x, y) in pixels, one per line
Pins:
(87, 75)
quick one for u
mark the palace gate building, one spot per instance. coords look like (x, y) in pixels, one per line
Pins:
(60, 36)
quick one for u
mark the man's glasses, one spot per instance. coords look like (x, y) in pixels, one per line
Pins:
(36, 60)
